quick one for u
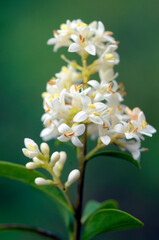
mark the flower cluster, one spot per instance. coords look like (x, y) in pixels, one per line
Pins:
(75, 102)
(54, 164)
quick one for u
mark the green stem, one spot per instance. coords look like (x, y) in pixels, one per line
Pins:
(38, 230)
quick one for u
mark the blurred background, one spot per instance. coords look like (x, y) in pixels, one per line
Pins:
(27, 63)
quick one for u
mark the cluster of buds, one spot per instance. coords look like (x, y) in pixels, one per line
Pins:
(54, 164)
(73, 99)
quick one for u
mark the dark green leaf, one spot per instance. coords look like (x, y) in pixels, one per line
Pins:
(37, 230)
(93, 206)
(108, 220)
(20, 173)
(116, 154)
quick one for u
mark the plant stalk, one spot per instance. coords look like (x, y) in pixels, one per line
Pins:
(80, 188)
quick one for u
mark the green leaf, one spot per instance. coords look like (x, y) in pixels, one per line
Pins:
(93, 206)
(22, 174)
(108, 220)
(26, 228)
(116, 154)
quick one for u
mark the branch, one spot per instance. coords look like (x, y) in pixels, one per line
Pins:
(22, 227)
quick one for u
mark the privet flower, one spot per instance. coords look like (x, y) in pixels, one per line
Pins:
(74, 100)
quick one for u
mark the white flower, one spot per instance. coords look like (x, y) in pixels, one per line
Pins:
(31, 149)
(133, 147)
(72, 177)
(71, 133)
(81, 44)
(42, 182)
(104, 133)
(93, 111)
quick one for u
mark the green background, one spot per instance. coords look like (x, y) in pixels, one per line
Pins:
(27, 63)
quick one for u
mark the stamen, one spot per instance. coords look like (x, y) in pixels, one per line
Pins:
(91, 105)
(109, 33)
(135, 130)
(69, 135)
(96, 114)
(109, 88)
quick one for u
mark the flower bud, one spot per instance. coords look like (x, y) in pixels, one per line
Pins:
(42, 182)
(37, 160)
(72, 177)
(55, 157)
(57, 169)
(45, 148)
(63, 157)
(31, 149)
(32, 165)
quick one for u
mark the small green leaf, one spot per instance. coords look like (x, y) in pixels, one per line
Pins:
(108, 220)
(93, 206)
(116, 154)
(20, 173)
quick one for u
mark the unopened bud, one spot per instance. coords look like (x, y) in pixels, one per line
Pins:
(37, 160)
(57, 169)
(32, 165)
(45, 148)
(42, 182)
(55, 157)
(72, 177)
(63, 157)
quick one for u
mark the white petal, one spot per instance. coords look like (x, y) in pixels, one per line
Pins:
(105, 139)
(101, 28)
(85, 101)
(63, 128)
(150, 129)
(99, 97)
(78, 129)
(95, 119)
(28, 141)
(80, 116)
(118, 128)
(51, 41)
(74, 47)
(62, 138)
(75, 140)
(141, 117)
(91, 49)
(136, 154)
(94, 84)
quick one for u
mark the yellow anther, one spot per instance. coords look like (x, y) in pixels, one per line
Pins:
(50, 99)
(143, 124)
(91, 105)
(48, 109)
(119, 107)
(31, 147)
(64, 69)
(135, 130)
(104, 126)
(56, 95)
(110, 110)
(49, 123)
(109, 56)
(69, 134)
(82, 24)
(109, 88)
(96, 114)
(109, 33)
(77, 88)
(52, 81)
